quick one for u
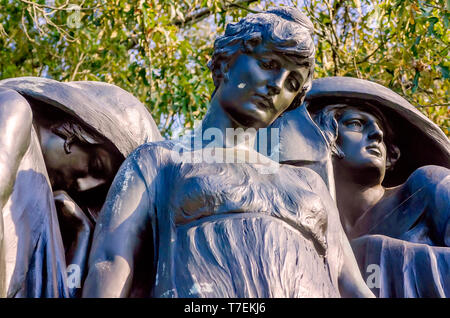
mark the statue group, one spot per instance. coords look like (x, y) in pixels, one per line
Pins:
(354, 179)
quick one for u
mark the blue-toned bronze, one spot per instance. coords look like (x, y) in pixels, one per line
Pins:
(179, 223)
(62, 144)
(392, 178)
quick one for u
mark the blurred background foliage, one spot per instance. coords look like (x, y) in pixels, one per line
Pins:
(158, 50)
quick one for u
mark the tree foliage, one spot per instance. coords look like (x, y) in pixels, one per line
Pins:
(158, 50)
(401, 44)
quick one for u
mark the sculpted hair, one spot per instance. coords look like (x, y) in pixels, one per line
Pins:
(72, 132)
(327, 119)
(63, 125)
(284, 30)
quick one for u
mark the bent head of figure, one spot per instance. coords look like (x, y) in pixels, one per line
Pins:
(263, 65)
(361, 140)
(76, 158)
(86, 130)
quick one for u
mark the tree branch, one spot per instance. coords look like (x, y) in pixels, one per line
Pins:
(82, 56)
(434, 105)
(63, 7)
(203, 13)
(383, 42)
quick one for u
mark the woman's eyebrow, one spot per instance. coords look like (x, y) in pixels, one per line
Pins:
(302, 63)
(272, 55)
(298, 75)
(353, 116)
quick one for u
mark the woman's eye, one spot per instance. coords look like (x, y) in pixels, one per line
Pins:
(354, 124)
(96, 167)
(293, 84)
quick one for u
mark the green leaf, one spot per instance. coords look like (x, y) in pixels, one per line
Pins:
(143, 76)
(432, 21)
(414, 47)
(444, 70)
(124, 59)
(415, 82)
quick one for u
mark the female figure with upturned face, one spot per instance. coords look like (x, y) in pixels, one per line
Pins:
(392, 179)
(175, 227)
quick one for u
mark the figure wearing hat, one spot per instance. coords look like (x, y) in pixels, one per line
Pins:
(391, 181)
(61, 145)
(221, 228)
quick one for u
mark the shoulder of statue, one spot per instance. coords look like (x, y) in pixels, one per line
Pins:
(152, 153)
(427, 178)
(16, 123)
(308, 175)
(15, 104)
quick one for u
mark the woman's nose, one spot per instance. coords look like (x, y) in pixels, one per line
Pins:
(376, 133)
(89, 182)
(273, 89)
(275, 83)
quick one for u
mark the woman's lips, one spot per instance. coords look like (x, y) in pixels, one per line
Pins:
(263, 102)
(374, 150)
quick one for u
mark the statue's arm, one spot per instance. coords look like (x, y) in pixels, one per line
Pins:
(350, 281)
(77, 240)
(434, 182)
(15, 134)
(119, 234)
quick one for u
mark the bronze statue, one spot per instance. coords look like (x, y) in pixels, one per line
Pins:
(392, 179)
(63, 144)
(179, 222)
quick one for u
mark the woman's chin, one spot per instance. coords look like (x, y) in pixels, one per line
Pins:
(249, 116)
(367, 168)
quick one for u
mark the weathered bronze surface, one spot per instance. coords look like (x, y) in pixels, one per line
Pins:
(62, 144)
(392, 184)
(173, 227)
(356, 171)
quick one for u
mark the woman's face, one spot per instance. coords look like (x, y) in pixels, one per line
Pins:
(260, 87)
(85, 167)
(360, 137)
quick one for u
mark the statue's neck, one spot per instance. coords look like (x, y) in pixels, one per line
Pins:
(355, 198)
(229, 134)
